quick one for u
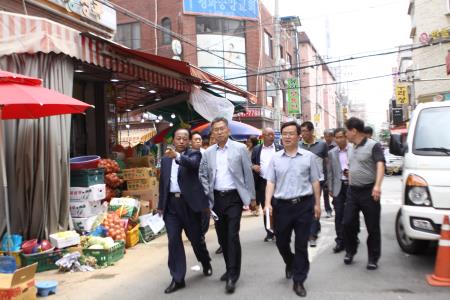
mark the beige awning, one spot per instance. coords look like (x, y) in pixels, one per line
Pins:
(134, 137)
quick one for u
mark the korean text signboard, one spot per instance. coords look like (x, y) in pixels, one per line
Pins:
(246, 9)
(401, 94)
(293, 96)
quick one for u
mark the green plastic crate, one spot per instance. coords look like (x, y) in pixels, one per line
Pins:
(86, 178)
(146, 234)
(107, 257)
(46, 261)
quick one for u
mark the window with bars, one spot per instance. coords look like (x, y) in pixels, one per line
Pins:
(129, 35)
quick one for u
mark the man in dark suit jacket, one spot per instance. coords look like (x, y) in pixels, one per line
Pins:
(182, 201)
(260, 163)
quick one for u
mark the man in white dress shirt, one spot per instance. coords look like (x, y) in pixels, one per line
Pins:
(226, 176)
(261, 157)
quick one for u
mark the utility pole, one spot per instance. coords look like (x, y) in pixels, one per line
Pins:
(279, 96)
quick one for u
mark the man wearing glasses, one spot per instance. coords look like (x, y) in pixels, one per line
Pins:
(293, 182)
(226, 176)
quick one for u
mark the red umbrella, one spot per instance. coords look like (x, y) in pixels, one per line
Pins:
(23, 97)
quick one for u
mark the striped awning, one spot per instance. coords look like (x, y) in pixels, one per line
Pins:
(28, 34)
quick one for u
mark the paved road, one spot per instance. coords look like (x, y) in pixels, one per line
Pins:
(143, 273)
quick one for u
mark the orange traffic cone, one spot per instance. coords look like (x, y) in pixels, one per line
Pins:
(441, 276)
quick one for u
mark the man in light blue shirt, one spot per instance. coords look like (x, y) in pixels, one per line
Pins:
(293, 182)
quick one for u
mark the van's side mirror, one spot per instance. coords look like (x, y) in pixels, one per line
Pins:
(396, 145)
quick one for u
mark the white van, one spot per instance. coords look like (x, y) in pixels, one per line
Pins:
(426, 176)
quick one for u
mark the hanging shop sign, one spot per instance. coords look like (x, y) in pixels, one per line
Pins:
(435, 35)
(397, 116)
(401, 94)
(226, 8)
(293, 94)
(93, 10)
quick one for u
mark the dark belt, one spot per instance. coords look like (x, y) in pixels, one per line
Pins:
(345, 182)
(225, 193)
(362, 187)
(175, 195)
(294, 200)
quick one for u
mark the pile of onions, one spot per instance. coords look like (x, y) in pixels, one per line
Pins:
(114, 226)
(111, 179)
(110, 166)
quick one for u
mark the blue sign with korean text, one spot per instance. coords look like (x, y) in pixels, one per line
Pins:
(247, 9)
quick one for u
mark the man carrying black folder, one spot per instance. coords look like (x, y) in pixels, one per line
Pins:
(293, 181)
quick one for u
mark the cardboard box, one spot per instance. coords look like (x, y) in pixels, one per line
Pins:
(142, 184)
(86, 209)
(20, 285)
(140, 162)
(92, 193)
(148, 199)
(138, 173)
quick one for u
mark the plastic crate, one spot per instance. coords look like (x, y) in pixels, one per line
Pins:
(87, 178)
(146, 234)
(46, 260)
(107, 257)
(16, 255)
(132, 237)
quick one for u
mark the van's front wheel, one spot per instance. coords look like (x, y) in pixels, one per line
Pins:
(408, 245)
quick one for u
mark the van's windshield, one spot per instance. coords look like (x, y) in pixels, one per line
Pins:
(432, 134)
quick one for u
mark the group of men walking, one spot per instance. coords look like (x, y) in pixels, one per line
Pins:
(286, 180)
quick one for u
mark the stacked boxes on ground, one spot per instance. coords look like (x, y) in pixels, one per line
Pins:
(142, 182)
(87, 190)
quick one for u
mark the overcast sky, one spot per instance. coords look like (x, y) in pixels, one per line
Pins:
(356, 27)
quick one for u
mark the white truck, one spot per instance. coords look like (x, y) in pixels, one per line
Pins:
(426, 176)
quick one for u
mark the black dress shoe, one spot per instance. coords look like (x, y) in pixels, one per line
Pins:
(372, 265)
(219, 251)
(288, 271)
(230, 287)
(299, 289)
(338, 248)
(224, 277)
(269, 238)
(174, 286)
(207, 269)
(348, 259)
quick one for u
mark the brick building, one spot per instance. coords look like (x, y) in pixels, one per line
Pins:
(319, 102)
(245, 41)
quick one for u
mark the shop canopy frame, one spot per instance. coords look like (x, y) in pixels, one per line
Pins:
(30, 34)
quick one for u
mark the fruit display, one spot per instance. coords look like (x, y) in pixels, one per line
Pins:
(110, 166)
(33, 246)
(114, 227)
(112, 180)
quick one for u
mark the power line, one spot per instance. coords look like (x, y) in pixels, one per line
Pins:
(338, 60)
(354, 80)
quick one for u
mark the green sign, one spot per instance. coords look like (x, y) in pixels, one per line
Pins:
(293, 96)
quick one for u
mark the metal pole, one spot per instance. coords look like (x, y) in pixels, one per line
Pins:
(279, 97)
(3, 174)
(297, 71)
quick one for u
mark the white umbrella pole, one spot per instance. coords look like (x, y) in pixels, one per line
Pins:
(4, 184)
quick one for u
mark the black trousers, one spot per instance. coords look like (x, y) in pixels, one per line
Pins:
(339, 204)
(326, 197)
(315, 225)
(228, 207)
(360, 199)
(179, 216)
(261, 200)
(290, 217)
